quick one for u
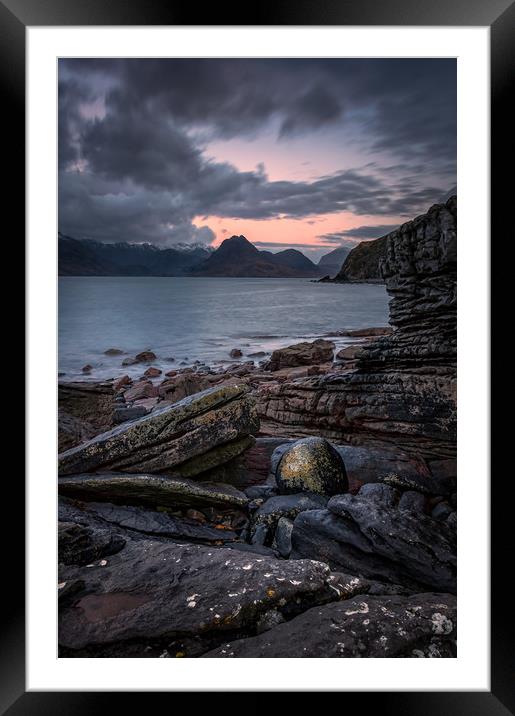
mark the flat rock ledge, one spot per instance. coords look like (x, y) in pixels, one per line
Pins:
(151, 490)
(187, 438)
(153, 590)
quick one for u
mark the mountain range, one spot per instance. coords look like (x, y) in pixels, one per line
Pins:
(236, 257)
(93, 258)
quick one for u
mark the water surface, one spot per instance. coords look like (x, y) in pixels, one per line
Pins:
(190, 319)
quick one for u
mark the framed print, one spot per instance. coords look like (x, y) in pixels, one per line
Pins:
(258, 352)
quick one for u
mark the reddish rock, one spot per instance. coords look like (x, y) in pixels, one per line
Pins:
(142, 389)
(86, 408)
(368, 332)
(145, 357)
(182, 385)
(236, 353)
(349, 353)
(319, 351)
(152, 372)
(121, 382)
(113, 352)
(171, 373)
(148, 403)
(195, 515)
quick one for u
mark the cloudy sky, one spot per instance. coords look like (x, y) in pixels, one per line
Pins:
(307, 153)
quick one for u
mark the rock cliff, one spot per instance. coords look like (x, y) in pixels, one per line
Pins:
(403, 389)
(364, 262)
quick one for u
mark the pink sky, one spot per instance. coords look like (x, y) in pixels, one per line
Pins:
(292, 160)
(291, 231)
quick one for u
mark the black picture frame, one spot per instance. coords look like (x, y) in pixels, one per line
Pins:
(499, 15)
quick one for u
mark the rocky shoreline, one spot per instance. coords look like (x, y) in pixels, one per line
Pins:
(302, 506)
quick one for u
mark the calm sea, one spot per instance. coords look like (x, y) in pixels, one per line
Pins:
(190, 319)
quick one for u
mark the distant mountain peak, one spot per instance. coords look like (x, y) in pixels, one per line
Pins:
(237, 256)
(237, 242)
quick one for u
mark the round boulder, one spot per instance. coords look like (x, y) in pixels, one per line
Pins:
(312, 465)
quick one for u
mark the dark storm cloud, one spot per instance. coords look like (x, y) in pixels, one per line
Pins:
(71, 96)
(132, 137)
(230, 97)
(106, 211)
(360, 232)
(404, 101)
(351, 190)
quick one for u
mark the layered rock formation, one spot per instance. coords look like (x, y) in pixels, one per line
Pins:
(187, 438)
(153, 490)
(319, 351)
(403, 391)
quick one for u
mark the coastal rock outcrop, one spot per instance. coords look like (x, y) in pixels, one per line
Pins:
(306, 353)
(362, 464)
(153, 490)
(403, 390)
(370, 535)
(420, 625)
(182, 385)
(364, 262)
(153, 590)
(187, 438)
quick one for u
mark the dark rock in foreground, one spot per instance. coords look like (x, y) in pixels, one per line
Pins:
(81, 544)
(368, 536)
(152, 590)
(267, 516)
(152, 490)
(151, 522)
(420, 625)
(311, 465)
(188, 438)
